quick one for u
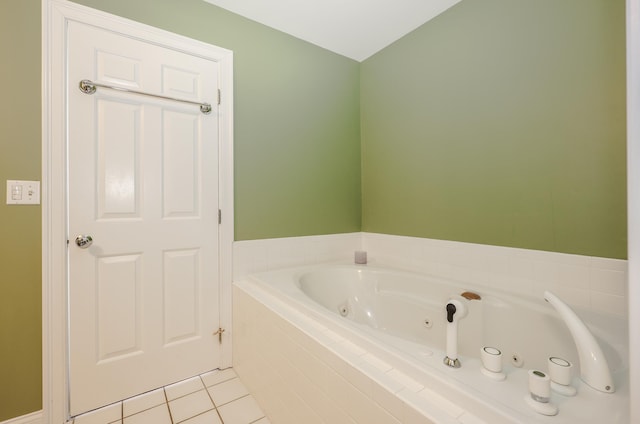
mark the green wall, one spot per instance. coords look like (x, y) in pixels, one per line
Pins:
(20, 263)
(501, 122)
(498, 122)
(297, 152)
(297, 130)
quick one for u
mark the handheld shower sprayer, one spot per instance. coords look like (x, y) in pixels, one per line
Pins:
(456, 310)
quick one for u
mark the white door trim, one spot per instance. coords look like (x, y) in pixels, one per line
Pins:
(55, 16)
(633, 198)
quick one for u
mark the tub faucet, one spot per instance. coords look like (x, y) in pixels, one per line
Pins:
(594, 369)
(456, 310)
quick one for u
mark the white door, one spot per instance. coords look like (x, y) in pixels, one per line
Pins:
(143, 184)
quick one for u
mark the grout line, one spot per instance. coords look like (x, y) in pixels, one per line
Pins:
(145, 410)
(185, 395)
(233, 400)
(166, 400)
(221, 381)
(206, 389)
(197, 415)
(167, 404)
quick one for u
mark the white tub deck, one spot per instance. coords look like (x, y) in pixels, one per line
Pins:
(411, 373)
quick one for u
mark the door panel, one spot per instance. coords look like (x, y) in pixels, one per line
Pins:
(143, 183)
(181, 287)
(118, 310)
(180, 153)
(118, 155)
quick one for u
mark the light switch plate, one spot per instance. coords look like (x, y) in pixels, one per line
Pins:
(23, 192)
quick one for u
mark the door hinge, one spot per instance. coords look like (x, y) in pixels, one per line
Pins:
(219, 96)
(219, 216)
(219, 334)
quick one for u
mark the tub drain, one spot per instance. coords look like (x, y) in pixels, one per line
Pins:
(343, 309)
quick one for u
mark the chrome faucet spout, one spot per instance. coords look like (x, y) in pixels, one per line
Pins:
(594, 369)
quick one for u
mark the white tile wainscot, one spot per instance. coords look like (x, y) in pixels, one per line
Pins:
(588, 282)
(251, 256)
(306, 373)
(300, 371)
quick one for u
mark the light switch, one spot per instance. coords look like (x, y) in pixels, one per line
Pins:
(23, 192)
(16, 192)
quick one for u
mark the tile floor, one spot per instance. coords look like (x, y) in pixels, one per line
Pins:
(217, 397)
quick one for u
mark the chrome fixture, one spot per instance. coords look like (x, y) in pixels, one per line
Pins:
(83, 242)
(90, 87)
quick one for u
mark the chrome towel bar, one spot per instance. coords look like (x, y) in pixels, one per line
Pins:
(89, 87)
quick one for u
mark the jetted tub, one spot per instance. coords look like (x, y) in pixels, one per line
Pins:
(400, 317)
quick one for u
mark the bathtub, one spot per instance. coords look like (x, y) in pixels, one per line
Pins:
(399, 317)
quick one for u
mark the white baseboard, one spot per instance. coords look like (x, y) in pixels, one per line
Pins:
(32, 418)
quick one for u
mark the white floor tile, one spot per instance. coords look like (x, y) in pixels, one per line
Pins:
(189, 403)
(242, 411)
(210, 417)
(143, 402)
(218, 376)
(157, 415)
(189, 406)
(183, 388)
(106, 415)
(227, 391)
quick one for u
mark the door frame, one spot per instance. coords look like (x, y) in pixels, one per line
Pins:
(633, 199)
(55, 16)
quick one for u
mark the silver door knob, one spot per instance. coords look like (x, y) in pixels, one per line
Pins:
(83, 241)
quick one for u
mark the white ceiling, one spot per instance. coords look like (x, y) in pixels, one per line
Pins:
(352, 28)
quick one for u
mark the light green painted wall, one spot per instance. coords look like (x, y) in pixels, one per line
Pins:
(20, 269)
(501, 122)
(297, 131)
(297, 152)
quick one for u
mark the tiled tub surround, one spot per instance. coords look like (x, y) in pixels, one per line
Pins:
(300, 372)
(282, 322)
(253, 256)
(598, 284)
(303, 364)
